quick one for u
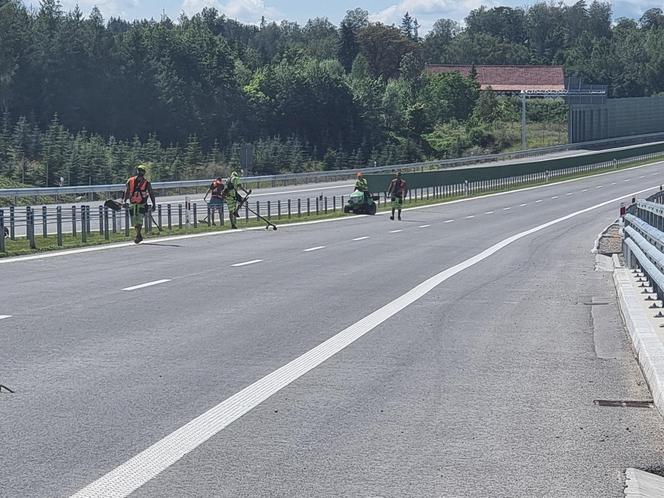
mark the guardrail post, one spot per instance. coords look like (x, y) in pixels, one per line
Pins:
(58, 226)
(114, 220)
(258, 210)
(299, 207)
(169, 218)
(278, 209)
(2, 230)
(107, 235)
(334, 203)
(44, 222)
(88, 220)
(73, 221)
(246, 213)
(147, 219)
(179, 215)
(221, 214)
(84, 235)
(317, 206)
(325, 204)
(12, 223)
(210, 216)
(269, 214)
(195, 209)
(308, 206)
(289, 209)
(101, 220)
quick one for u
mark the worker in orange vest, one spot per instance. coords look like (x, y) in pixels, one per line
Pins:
(137, 192)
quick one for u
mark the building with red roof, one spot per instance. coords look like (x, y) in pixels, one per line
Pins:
(509, 79)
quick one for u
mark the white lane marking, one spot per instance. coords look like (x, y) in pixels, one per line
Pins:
(247, 263)
(642, 176)
(555, 197)
(2, 317)
(449, 221)
(585, 190)
(627, 180)
(506, 209)
(142, 468)
(470, 217)
(149, 284)
(121, 245)
(537, 202)
(424, 226)
(312, 249)
(396, 231)
(523, 205)
(614, 183)
(489, 212)
(600, 186)
(360, 238)
(570, 193)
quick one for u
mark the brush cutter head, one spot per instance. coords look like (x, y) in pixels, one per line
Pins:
(114, 205)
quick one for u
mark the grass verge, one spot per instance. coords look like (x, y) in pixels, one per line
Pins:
(19, 247)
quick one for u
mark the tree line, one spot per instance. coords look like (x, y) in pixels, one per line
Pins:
(84, 98)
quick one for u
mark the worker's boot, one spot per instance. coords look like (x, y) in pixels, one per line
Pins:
(392, 217)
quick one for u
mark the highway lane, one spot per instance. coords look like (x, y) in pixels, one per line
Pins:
(302, 192)
(103, 373)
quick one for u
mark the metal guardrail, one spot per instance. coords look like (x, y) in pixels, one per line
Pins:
(39, 225)
(643, 245)
(324, 176)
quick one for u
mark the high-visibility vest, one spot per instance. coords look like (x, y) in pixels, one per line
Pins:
(138, 190)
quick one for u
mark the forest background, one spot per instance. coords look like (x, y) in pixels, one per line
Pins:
(85, 99)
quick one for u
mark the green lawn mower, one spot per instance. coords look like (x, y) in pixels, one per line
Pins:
(358, 203)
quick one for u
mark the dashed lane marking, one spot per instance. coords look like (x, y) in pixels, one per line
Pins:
(396, 231)
(449, 221)
(360, 238)
(2, 317)
(247, 263)
(523, 205)
(424, 226)
(149, 284)
(470, 217)
(312, 249)
(570, 193)
(555, 197)
(585, 190)
(600, 186)
(140, 469)
(506, 209)
(627, 180)
(538, 201)
(489, 212)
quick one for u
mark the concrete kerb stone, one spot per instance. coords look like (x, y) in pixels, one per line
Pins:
(647, 344)
(641, 484)
(649, 350)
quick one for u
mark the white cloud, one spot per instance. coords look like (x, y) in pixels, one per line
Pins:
(108, 8)
(247, 11)
(428, 12)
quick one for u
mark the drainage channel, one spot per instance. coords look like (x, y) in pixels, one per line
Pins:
(624, 403)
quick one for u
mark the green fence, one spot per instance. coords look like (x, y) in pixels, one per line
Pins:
(379, 183)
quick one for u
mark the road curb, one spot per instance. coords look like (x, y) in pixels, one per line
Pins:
(645, 338)
(641, 484)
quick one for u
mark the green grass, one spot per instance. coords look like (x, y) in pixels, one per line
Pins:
(20, 246)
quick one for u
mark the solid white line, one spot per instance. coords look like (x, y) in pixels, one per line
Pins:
(142, 468)
(396, 231)
(424, 226)
(2, 317)
(360, 238)
(149, 284)
(312, 249)
(489, 212)
(247, 263)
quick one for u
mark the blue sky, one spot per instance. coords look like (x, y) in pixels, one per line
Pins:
(388, 11)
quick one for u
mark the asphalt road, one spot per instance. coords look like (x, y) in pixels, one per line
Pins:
(479, 383)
